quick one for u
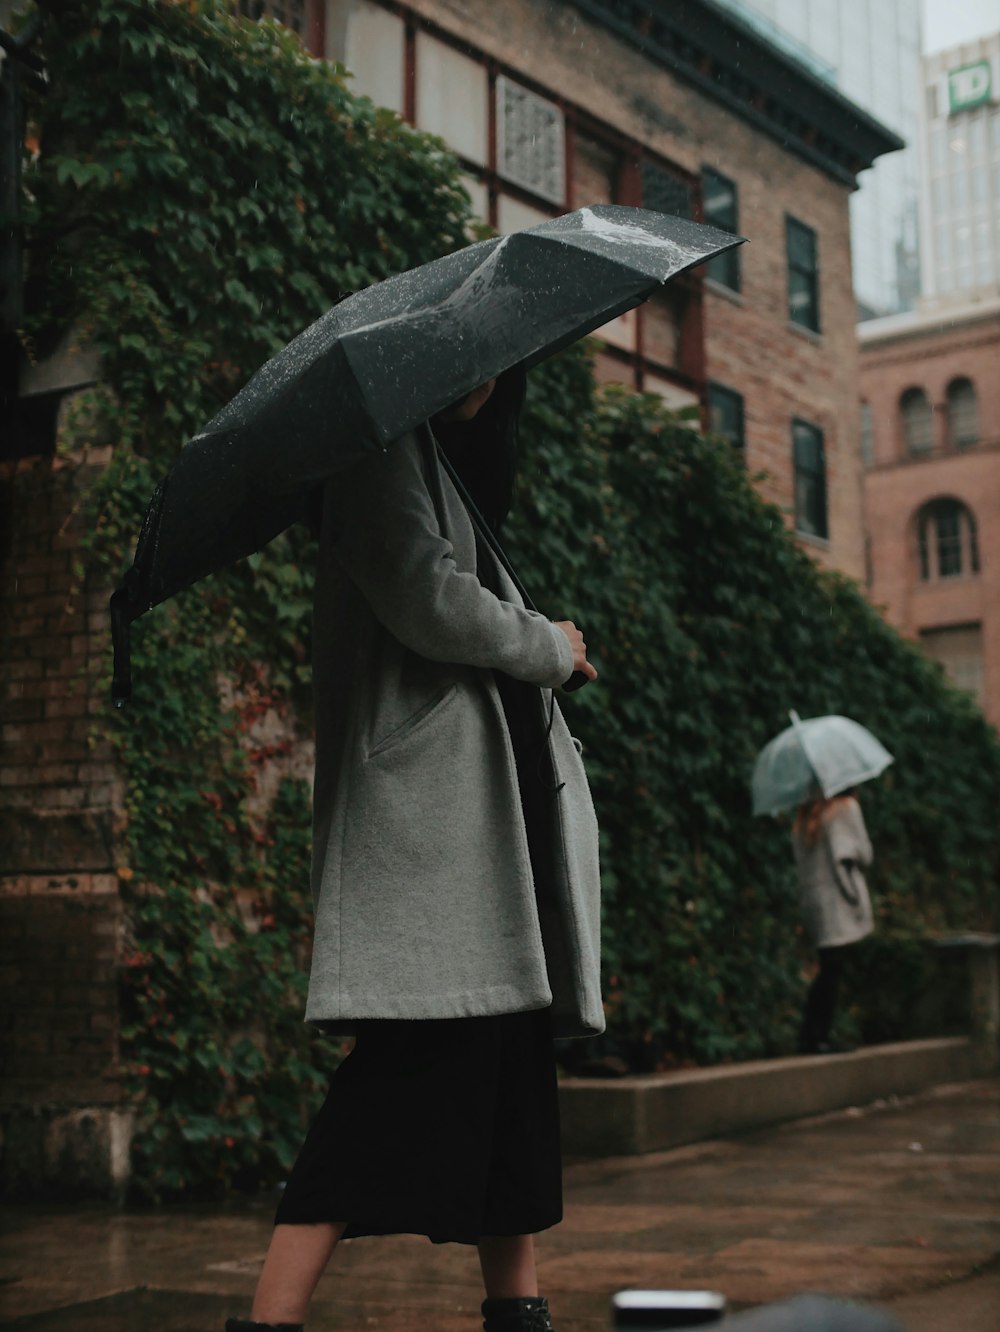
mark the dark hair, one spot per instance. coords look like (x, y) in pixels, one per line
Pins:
(483, 451)
(810, 817)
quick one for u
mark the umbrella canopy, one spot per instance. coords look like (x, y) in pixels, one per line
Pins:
(817, 757)
(379, 363)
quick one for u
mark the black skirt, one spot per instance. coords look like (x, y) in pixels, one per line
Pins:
(448, 1129)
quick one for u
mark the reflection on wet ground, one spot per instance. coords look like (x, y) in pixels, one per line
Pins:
(898, 1204)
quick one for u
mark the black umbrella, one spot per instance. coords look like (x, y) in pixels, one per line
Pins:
(378, 364)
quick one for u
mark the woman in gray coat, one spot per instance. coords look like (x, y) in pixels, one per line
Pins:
(455, 876)
(831, 848)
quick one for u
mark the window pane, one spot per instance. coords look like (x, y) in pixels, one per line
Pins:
(960, 652)
(292, 13)
(803, 285)
(801, 299)
(801, 245)
(867, 435)
(665, 193)
(963, 423)
(725, 410)
(918, 421)
(452, 97)
(947, 543)
(719, 200)
(720, 209)
(725, 269)
(810, 479)
(374, 52)
(530, 139)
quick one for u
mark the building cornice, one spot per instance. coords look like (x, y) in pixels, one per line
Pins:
(725, 58)
(939, 322)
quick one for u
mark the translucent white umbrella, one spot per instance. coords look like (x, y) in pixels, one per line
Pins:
(820, 756)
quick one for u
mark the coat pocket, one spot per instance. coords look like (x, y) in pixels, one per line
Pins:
(415, 722)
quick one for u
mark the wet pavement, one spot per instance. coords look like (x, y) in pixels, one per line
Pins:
(896, 1204)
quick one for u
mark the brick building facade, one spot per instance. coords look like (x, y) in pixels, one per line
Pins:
(62, 1124)
(685, 108)
(674, 106)
(931, 412)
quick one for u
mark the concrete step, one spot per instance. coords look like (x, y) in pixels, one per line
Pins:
(634, 1115)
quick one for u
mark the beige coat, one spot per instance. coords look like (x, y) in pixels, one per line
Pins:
(836, 908)
(422, 885)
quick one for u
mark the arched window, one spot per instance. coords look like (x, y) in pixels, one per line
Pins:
(946, 538)
(963, 414)
(918, 421)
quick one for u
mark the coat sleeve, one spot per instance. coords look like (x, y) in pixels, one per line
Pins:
(863, 854)
(849, 837)
(386, 535)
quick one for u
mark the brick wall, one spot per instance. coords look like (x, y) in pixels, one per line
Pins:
(929, 353)
(781, 370)
(63, 1125)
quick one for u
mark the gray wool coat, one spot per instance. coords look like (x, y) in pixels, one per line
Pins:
(836, 908)
(425, 906)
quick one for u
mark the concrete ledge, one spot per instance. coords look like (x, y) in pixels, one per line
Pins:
(630, 1116)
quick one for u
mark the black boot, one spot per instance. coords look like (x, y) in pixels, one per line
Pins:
(248, 1325)
(525, 1315)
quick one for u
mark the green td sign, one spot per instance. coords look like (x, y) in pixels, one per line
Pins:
(968, 86)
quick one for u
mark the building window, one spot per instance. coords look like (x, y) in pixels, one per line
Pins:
(810, 479)
(725, 414)
(452, 98)
(292, 13)
(946, 538)
(666, 193)
(867, 434)
(959, 649)
(530, 141)
(918, 422)
(803, 274)
(963, 414)
(720, 209)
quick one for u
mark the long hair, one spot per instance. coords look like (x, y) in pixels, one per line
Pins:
(483, 451)
(810, 817)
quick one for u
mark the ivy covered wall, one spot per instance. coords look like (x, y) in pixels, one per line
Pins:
(189, 210)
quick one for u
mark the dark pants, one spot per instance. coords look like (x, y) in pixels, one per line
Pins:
(821, 1000)
(448, 1129)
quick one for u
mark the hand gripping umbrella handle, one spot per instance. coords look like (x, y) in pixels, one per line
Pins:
(577, 680)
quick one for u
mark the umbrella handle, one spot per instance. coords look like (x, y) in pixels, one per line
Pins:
(576, 681)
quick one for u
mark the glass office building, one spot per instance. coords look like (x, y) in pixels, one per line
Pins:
(960, 148)
(870, 51)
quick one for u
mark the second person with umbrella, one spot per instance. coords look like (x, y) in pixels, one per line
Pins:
(455, 876)
(831, 848)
